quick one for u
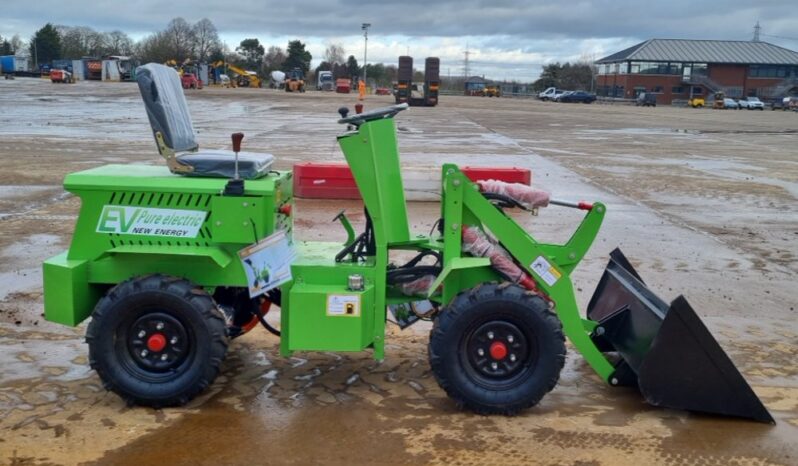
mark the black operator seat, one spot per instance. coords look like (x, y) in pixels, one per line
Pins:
(171, 124)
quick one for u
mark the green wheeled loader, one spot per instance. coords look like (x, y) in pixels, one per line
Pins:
(159, 262)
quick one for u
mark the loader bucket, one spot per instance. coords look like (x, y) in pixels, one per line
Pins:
(666, 349)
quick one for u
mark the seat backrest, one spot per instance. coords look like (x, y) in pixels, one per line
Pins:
(166, 107)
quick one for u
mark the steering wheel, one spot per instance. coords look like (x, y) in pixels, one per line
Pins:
(378, 114)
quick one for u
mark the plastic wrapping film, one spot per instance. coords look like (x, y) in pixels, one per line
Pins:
(221, 164)
(166, 106)
(477, 243)
(526, 195)
(419, 286)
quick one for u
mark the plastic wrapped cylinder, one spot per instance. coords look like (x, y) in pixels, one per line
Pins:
(526, 195)
(417, 287)
(478, 244)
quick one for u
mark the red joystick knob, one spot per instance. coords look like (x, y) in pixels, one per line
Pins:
(237, 138)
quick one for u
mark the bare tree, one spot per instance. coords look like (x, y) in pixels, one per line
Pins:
(180, 37)
(154, 48)
(334, 53)
(206, 39)
(273, 59)
(118, 43)
(17, 44)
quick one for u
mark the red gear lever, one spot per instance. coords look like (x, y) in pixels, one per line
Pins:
(237, 138)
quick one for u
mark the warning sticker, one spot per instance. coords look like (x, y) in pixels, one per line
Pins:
(546, 271)
(343, 305)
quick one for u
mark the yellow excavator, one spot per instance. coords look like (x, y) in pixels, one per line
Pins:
(243, 79)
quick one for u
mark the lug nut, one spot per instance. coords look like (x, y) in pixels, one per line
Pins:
(490, 335)
(163, 357)
(142, 333)
(159, 326)
(144, 353)
(512, 357)
(173, 340)
(481, 352)
(494, 366)
(510, 339)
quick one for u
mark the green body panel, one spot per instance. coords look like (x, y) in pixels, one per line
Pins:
(108, 250)
(305, 323)
(373, 157)
(68, 295)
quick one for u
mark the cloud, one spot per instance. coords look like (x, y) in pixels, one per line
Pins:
(507, 37)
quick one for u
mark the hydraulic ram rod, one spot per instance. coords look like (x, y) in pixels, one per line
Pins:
(581, 205)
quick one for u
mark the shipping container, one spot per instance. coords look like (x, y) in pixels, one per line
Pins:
(62, 65)
(78, 70)
(14, 63)
(111, 70)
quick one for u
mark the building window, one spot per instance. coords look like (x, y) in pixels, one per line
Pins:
(645, 67)
(769, 71)
(657, 89)
(677, 90)
(699, 69)
(698, 90)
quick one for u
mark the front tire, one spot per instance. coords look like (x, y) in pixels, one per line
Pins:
(157, 340)
(497, 349)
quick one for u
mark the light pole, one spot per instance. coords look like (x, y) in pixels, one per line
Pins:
(365, 28)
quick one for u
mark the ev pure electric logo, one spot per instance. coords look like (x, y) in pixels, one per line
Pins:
(127, 220)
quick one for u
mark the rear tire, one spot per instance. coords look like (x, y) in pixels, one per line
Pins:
(157, 340)
(497, 349)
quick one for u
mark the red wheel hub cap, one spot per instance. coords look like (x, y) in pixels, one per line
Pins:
(498, 350)
(157, 342)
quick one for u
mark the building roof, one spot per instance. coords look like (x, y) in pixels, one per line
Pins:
(476, 79)
(706, 51)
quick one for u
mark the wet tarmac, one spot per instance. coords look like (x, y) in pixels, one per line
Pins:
(703, 202)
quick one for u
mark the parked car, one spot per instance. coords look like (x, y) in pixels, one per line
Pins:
(751, 103)
(785, 103)
(730, 104)
(550, 94)
(578, 96)
(558, 97)
(646, 99)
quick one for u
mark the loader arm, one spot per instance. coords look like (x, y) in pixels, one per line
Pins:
(550, 265)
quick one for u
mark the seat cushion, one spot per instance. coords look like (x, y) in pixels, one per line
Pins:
(166, 106)
(221, 163)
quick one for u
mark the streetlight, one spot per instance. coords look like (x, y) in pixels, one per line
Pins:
(365, 27)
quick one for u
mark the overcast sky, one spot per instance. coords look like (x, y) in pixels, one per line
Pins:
(507, 39)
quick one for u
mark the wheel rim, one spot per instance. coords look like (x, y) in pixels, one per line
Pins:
(154, 345)
(499, 354)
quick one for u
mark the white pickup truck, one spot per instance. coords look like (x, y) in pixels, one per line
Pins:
(550, 94)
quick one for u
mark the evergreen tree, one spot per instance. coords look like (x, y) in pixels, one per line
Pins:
(45, 45)
(297, 57)
(352, 67)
